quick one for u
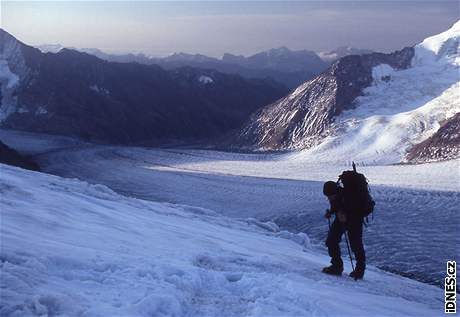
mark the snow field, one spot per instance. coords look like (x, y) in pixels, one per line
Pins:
(74, 249)
(286, 188)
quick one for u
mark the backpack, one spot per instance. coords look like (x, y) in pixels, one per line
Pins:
(356, 195)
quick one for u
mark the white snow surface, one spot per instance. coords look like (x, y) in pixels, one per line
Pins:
(442, 47)
(12, 70)
(74, 249)
(282, 188)
(8, 80)
(205, 79)
(50, 48)
(401, 108)
(5, 74)
(100, 90)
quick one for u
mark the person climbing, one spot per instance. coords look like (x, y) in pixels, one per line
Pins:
(350, 204)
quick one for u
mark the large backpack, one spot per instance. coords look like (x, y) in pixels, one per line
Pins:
(356, 195)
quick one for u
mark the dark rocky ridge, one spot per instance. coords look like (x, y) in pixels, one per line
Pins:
(303, 118)
(443, 145)
(77, 94)
(12, 157)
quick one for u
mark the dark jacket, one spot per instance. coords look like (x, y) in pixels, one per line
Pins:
(340, 203)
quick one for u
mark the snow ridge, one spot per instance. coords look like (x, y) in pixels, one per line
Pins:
(443, 47)
(402, 107)
(372, 108)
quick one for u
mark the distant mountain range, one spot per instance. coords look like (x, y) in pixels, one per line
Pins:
(302, 118)
(378, 108)
(372, 108)
(76, 94)
(285, 66)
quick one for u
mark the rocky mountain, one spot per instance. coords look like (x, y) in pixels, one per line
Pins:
(76, 94)
(342, 51)
(372, 107)
(282, 65)
(12, 157)
(279, 59)
(296, 121)
(287, 67)
(443, 145)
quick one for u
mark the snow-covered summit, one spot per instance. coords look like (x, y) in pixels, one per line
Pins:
(372, 108)
(74, 249)
(342, 51)
(443, 47)
(401, 108)
(50, 48)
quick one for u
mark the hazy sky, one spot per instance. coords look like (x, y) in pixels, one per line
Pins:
(215, 27)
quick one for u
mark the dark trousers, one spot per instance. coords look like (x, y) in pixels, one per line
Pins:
(355, 235)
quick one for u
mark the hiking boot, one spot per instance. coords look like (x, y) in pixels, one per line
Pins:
(333, 270)
(357, 274)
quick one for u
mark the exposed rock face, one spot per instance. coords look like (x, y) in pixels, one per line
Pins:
(302, 119)
(443, 145)
(76, 94)
(11, 157)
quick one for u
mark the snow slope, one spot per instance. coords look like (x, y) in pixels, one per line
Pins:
(8, 81)
(286, 188)
(74, 249)
(401, 108)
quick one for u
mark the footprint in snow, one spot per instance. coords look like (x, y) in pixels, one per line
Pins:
(234, 276)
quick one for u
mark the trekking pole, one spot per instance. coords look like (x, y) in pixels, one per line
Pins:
(349, 251)
(329, 219)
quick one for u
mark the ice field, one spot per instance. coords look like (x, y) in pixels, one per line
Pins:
(70, 248)
(413, 233)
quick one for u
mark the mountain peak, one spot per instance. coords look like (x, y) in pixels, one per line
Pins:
(371, 107)
(50, 48)
(279, 51)
(5, 35)
(8, 44)
(442, 47)
(187, 57)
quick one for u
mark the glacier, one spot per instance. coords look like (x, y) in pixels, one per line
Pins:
(401, 108)
(70, 248)
(132, 231)
(285, 188)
